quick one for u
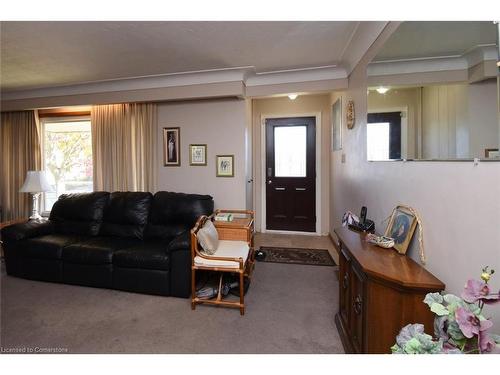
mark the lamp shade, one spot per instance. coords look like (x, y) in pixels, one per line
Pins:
(36, 182)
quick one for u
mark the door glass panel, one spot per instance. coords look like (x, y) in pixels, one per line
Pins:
(378, 141)
(290, 151)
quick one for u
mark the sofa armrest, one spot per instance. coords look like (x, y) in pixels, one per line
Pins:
(181, 242)
(26, 230)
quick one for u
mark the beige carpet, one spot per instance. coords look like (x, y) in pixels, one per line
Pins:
(290, 309)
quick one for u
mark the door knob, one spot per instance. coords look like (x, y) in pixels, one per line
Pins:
(269, 182)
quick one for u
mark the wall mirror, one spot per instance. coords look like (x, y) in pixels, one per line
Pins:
(433, 93)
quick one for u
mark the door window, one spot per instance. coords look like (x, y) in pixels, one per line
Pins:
(290, 146)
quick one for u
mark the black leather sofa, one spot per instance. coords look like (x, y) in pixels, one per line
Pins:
(133, 241)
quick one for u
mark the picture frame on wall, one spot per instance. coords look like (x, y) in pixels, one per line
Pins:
(171, 147)
(337, 125)
(224, 165)
(401, 227)
(198, 155)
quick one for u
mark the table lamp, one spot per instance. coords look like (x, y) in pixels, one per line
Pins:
(35, 183)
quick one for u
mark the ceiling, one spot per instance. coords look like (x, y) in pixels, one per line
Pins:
(48, 54)
(426, 39)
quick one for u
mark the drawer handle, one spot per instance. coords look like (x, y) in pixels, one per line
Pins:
(300, 189)
(357, 304)
(345, 282)
(279, 188)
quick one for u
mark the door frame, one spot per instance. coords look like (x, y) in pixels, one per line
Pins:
(262, 187)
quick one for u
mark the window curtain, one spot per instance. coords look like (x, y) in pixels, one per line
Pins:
(21, 152)
(124, 147)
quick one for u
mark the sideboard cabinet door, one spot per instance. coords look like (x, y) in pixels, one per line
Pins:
(357, 309)
(344, 280)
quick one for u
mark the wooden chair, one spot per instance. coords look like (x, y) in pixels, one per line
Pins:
(234, 255)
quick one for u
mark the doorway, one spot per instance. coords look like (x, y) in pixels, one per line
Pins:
(290, 174)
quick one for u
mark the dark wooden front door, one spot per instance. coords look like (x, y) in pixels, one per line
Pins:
(291, 174)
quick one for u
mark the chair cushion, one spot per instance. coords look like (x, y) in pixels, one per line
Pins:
(148, 255)
(228, 249)
(47, 247)
(174, 213)
(126, 214)
(97, 250)
(79, 213)
(208, 238)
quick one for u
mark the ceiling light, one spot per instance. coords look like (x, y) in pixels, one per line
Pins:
(382, 89)
(292, 96)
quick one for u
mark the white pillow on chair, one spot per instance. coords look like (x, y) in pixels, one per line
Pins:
(208, 238)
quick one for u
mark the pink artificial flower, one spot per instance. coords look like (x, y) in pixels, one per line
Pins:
(486, 344)
(470, 324)
(476, 290)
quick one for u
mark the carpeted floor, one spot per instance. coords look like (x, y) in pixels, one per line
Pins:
(290, 309)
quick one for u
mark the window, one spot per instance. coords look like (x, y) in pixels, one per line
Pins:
(67, 157)
(290, 151)
(383, 136)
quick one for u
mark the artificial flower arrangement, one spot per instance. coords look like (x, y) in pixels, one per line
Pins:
(459, 325)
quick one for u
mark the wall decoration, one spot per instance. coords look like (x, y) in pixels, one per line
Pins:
(198, 155)
(225, 165)
(337, 125)
(171, 147)
(401, 227)
(350, 115)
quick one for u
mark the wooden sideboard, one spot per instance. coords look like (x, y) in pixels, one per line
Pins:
(381, 291)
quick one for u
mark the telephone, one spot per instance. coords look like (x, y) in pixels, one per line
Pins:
(364, 224)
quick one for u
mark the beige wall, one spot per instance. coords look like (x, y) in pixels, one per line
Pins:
(282, 106)
(221, 125)
(459, 203)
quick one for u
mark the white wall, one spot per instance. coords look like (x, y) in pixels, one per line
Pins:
(221, 125)
(459, 203)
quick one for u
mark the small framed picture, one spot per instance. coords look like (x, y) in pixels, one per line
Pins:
(225, 165)
(198, 155)
(401, 227)
(337, 125)
(491, 153)
(171, 147)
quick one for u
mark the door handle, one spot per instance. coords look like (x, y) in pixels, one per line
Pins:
(269, 182)
(300, 189)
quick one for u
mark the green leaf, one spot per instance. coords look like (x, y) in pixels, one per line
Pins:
(413, 346)
(455, 332)
(439, 309)
(453, 299)
(431, 298)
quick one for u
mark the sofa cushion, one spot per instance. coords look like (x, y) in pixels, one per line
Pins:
(46, 247)
(148, 255)
(96, 250)
(126, 214)
(174, 213)
(79, 213)
(226, 249)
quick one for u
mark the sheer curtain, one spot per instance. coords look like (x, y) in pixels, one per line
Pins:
(124, 147)
(21, 152)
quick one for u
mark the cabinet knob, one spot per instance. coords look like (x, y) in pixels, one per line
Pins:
(357, 304)
(345, 282)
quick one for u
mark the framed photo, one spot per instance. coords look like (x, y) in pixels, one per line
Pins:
(337, 125)
(401, 227)
(225, 165)
(197, 154)
(171, 147)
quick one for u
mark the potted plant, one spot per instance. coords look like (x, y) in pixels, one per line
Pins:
(459, 325)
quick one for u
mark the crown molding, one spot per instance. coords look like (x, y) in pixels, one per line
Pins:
(470, 58)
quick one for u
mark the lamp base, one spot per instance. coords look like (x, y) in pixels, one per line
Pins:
(34, 213)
